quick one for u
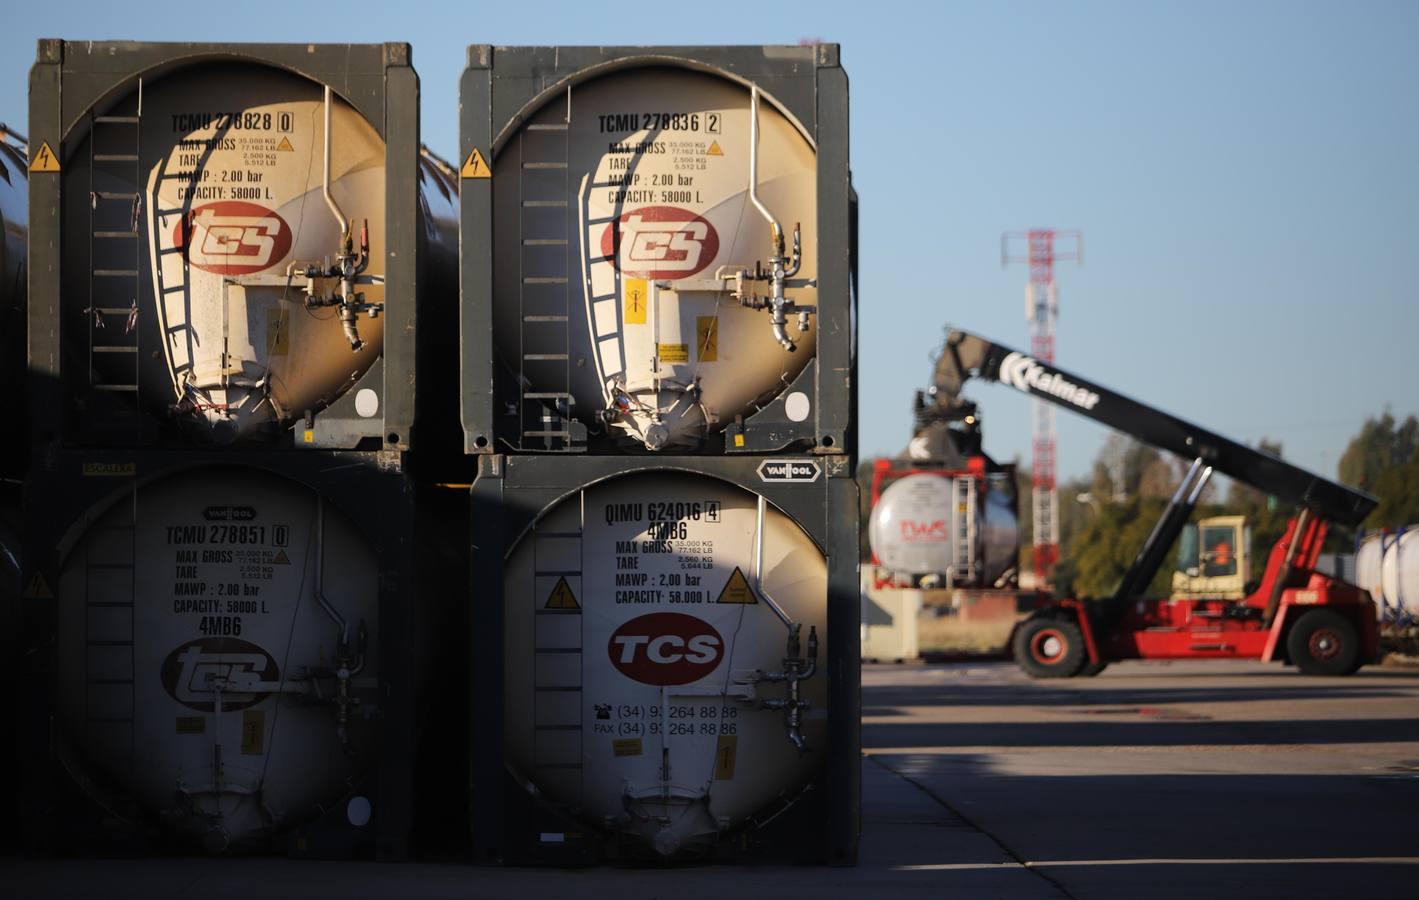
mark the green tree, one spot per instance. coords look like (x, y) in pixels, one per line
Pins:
(1380, 447)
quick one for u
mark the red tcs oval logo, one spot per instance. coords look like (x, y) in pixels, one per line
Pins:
(242, 673)
(666, 649)
(660, 242)
(232, 237)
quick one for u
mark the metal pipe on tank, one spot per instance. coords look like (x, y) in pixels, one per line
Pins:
(754, 165)
(335, 210)
(325, 604)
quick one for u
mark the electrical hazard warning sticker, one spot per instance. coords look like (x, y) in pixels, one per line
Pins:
(562, 596)
(44, 159)
(475, 167)
(37, 589)
(737, 590)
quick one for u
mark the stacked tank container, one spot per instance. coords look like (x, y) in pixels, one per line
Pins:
(657, 264)
(222, 597)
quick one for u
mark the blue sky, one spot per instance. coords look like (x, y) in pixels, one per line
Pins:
(1243, 173)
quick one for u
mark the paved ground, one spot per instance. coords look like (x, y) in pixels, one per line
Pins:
(1185, 780)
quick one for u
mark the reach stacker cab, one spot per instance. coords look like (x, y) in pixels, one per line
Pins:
(1293, 614)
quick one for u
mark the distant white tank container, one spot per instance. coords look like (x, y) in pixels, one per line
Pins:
(656, 253)
(218, 653)
(1387, 565)
(948, 524)
(662, 635)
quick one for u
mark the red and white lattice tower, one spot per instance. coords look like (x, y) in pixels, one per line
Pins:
(1042, 248)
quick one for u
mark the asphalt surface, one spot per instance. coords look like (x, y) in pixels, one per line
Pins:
(1216, 780)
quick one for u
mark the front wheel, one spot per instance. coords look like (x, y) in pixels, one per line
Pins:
(1323, 642)
(1049, 648)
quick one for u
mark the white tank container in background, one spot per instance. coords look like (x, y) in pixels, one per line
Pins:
(624, 205)
(1399, 574)
(921, 519)
(1369, 568)
(203, 624)
(643, 615)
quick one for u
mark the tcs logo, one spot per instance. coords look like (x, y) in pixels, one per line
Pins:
(924, 532)
(245, 674)
(665, 649)
(232, 237)
(660, 242)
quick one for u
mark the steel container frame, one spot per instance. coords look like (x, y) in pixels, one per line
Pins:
(513, 488)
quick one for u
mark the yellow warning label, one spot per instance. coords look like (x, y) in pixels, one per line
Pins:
(737, 590)
(707, 338)
(253, 732)
(714, 149)
(673, 353)
(309, 436)
(726, 753)
(37, 589)
(627, 747)
(285, 145)
(191, 725)
(44, 160)
(475, 167)
(739, 440)
(562, 596)
(280, 559)
(637, 294)
(110, 470)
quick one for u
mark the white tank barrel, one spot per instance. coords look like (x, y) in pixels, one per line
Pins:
(1399, 573)
(925, 523)
(648, 618)
(203, 627)
(1369, 563)
(627, 238)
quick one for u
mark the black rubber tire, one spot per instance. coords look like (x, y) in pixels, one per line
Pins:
(1323, 642)
(1092, 669)
(1049, 647)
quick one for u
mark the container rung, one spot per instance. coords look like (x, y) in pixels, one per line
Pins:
(556, 612)
(556, 651)
(544, 165)
(115, 234)
(557, 765)
(172, 290)
(558, 534)
(118, 388)
(546, 357)
(115, 349)
(114, 310)
(544, 318)
(116, 273)
(555, 573)
(166, 251)
(169, 212)
(117, 644)
(545, 279)
(542, 395)
(107, 604)
(556, 727)
(116, 195)
(109, 680)
(544, 242)
(107, 566)
(555, 126)
(562, 689)
(115, 157)
(117, 120)
(544, 204)
(112, 720)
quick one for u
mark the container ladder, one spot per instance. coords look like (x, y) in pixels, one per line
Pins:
(110, 592)
(177, 339)
(557, 676)
(963, 508)
(115, 264)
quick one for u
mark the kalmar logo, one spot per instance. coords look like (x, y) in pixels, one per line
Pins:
(665, 649)
(660, 242)
(232, 237)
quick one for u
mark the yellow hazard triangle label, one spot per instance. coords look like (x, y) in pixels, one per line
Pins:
(714, 149)
(562, 596)
(44, 159)
(737, 590)
(280, 559)
(475, 167)
(37, 589)
(285, 145)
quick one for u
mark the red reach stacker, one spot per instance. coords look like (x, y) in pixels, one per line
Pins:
(1294, 614)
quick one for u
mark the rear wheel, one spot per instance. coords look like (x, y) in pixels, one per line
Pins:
(1049, 648)
(1323, 642)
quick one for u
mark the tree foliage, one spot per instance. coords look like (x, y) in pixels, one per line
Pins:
(1384, 460)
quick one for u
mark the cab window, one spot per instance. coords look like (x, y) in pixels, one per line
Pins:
(1219, 551)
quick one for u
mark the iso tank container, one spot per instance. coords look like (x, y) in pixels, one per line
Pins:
(665, 636)
(223, 634)
(235, 242)
(958, 528)
(659, 245)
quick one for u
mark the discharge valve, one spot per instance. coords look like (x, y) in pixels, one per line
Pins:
(349, 265)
